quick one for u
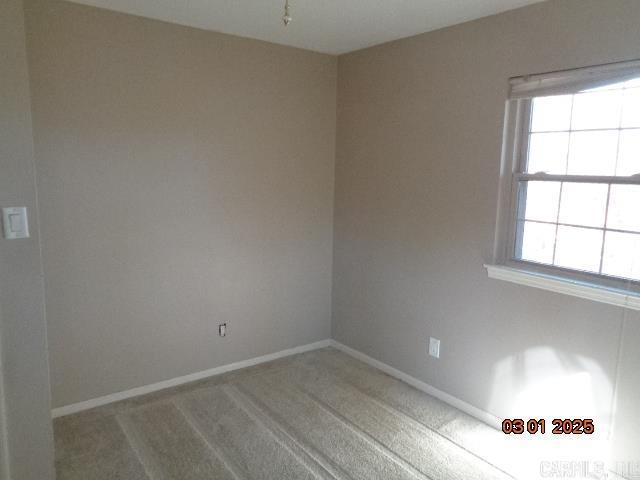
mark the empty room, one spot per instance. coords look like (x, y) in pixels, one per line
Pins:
(302, 239)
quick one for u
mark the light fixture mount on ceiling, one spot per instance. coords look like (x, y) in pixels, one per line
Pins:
(286, 18)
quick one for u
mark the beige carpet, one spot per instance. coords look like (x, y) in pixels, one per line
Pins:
(319, 415)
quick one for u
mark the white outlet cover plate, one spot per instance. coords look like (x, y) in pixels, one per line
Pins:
(15, 222)
(434, 347)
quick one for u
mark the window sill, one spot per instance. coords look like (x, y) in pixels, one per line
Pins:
(619, 298)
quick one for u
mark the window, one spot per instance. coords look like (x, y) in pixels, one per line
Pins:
(571, 175)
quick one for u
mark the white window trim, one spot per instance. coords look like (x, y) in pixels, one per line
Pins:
(574, 288)
(592, 287)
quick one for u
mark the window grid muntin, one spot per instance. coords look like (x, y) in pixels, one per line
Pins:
(521, 176)
(521, 220)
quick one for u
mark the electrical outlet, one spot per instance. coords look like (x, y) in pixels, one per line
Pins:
(15, 223)
(434, 347)
(222, 329)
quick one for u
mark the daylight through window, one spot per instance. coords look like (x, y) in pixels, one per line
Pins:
(577, 183)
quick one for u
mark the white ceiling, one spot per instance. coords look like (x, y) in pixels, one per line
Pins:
(329, 26)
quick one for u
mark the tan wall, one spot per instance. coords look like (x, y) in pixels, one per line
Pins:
(418, 155)
(23, 335)
(186, 180)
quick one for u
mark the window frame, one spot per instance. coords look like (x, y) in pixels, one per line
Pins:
(516, 136)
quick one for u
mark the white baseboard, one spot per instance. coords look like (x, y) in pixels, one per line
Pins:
(174, 382)
(467, 408)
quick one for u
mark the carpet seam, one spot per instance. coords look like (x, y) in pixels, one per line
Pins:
(419, 424)
(152, 472)
(401, 414)
(228, 464)
(376, 444)
(249, 403)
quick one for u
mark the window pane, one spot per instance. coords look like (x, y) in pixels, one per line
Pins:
(540, 201)
(624, 208)
(622, 255)
(548, 153)
(596, 110)
(593, 153)
(631, 108)
(583, 204)
(578, 248)
(537, 241)
(551, 114)
(629, 153)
